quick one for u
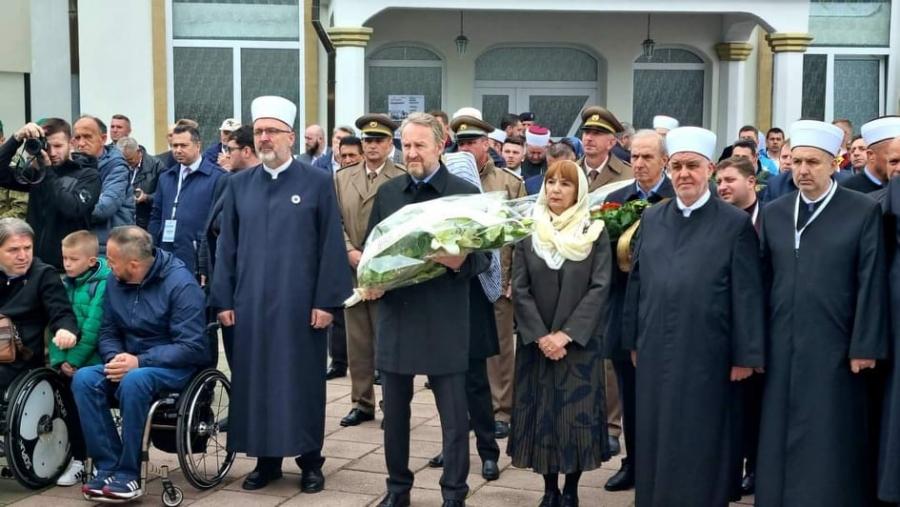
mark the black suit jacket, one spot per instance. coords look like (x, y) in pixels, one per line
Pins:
(612, 345)
(424, 328)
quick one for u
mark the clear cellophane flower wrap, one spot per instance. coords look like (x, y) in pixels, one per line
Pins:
(400, 249)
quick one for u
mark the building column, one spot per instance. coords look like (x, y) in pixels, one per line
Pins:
(732, 83)
(51, 70)
(787, 76)
(350, 72)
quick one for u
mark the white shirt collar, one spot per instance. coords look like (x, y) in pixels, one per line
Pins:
(278, 170)
(687, 210)
(193, 167)
(821, 197)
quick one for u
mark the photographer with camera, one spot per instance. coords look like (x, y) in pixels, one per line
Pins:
(63, 187)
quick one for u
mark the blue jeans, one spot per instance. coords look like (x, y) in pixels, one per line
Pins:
(135, 393)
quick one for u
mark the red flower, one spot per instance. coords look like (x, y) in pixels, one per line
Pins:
(610, 206)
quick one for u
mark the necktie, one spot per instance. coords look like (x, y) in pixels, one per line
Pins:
(592, 176)
(805, 213)
(372, 175)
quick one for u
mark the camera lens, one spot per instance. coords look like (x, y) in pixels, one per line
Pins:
(34, 146)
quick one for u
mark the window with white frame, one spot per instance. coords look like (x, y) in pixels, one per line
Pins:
(844, 70)
(672, 83)
(405, 70)
(224, 53)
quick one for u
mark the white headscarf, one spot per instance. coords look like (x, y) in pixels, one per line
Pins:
(569, 236)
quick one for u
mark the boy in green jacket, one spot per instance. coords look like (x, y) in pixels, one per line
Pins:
(85, 283)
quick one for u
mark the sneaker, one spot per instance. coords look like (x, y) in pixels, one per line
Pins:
(94, 487)
(123, 489)
(73, 474)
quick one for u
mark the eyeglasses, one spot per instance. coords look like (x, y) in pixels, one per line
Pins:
(270, 132)
(228, 149)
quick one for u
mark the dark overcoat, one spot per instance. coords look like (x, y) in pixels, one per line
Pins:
(280, 254)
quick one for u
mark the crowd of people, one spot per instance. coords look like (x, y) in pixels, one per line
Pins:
(741, 342)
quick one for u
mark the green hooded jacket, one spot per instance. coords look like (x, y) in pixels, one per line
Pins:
(86, 294)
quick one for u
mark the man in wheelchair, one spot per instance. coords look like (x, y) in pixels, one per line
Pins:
(152, 341)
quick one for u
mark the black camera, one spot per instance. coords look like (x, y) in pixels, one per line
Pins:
(34, 147)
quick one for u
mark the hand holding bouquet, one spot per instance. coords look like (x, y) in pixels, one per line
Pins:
(401, 250)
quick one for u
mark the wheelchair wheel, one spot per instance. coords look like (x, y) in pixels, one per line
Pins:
(202, 454)
(36, 436)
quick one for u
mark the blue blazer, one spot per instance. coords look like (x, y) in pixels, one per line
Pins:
(194, 204)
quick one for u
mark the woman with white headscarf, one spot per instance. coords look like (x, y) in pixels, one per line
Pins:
(561, 277)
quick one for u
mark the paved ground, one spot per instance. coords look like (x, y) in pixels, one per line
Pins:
(354, 471)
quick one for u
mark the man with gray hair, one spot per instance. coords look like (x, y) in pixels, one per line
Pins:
(144, 170)
(426, 341)
(648, 162)
(146, 348)
(622, 148)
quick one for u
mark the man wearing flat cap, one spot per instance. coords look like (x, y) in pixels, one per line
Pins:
(824, 255)
(281, 273)
(693, 318)
(499, 368)
(598, 135)
(356, 187)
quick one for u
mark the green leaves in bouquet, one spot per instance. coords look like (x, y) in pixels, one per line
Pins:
(619, 217)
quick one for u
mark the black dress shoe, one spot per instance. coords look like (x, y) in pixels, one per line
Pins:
(356, 417)
(489, 470)
(333, 373)
(614, 447)
(569, 500)
(376, 379)
(623, 479)
(550, 499)
(501, 429)
(395, 500)
(259, 479)
(453, 503)
(748, 484)
(312, 480)
(437, 461)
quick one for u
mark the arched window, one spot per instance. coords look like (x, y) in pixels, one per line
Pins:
(672, 83)
(405, 70)
(555, 83)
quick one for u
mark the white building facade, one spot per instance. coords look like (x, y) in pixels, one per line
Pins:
(716, 64)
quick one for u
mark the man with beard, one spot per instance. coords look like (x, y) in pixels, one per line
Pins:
(694, 320)
(281, 272)
(424, 328)
(823, 249)
(537, 139)
(874, 175)
(314, 145)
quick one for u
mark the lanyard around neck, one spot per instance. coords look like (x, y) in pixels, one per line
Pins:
(815, 215)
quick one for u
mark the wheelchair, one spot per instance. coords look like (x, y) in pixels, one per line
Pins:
(34, 415)
(190, 425)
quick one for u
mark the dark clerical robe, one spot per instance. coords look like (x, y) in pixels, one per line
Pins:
(861, 182)
(693, 310)
(827, 305)
(280, 254)
(889, 455)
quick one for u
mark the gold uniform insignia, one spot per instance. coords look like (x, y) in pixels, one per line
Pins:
(373, 124)
(596, 117)
(463, 127)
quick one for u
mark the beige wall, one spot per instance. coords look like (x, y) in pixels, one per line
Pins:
(16, 29)
(12, 107)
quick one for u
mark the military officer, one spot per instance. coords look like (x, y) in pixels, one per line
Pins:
(598, 136)
(356, 187)
(471, 138)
